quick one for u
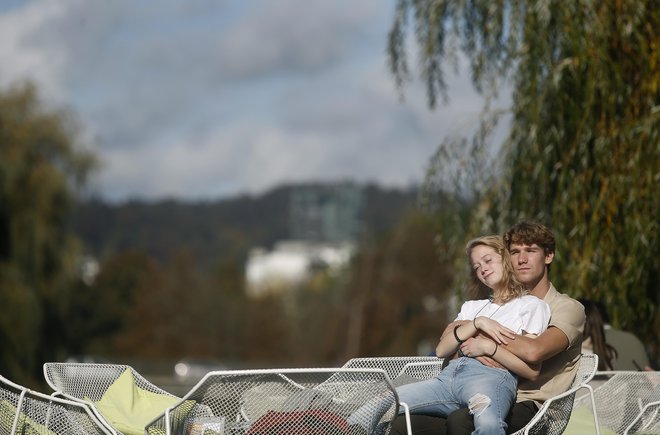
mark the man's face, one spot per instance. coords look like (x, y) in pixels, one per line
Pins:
(529, 262)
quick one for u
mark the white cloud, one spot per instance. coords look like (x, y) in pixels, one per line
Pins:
(204, 98)
(23, 58)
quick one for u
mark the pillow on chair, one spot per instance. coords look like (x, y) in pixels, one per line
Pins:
(129, 408)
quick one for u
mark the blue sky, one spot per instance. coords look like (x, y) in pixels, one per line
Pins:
(201, 99)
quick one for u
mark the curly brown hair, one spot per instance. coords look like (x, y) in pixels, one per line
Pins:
(529, 233)
(511, 288)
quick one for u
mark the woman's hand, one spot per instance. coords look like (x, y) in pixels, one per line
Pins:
(494, 330)
(447, 346)
(478, 346)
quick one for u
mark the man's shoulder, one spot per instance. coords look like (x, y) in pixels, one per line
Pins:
(561, 301)
(567, 314)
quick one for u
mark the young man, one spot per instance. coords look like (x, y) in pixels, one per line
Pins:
(532, 248)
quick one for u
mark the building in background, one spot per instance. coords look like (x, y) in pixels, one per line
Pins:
(328, 213)
(324, 223)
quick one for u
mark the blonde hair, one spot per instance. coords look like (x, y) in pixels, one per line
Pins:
(511, 288)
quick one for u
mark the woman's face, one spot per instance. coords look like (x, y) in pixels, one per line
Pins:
(487, 265)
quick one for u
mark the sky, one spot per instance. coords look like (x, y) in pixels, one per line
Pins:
(205, 99)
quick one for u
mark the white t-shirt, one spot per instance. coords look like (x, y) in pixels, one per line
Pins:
(524, 315)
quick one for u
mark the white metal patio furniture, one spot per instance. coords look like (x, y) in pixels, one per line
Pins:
(553, 416)
(626, 402)
(647, 421)
(24, 411)
(89, 383)
(392, 365)
(418, 371)
(283, 401)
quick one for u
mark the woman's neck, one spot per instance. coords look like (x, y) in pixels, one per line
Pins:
(496, 294)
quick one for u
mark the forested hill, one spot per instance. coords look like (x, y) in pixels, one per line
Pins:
(213, 230)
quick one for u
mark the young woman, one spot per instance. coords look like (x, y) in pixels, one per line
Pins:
(488, 392)
(593, 339)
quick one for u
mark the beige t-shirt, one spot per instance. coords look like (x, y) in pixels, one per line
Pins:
(558, 372)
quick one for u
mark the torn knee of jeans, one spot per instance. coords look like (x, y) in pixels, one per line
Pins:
(478, 403)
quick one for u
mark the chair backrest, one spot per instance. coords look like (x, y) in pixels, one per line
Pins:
(647, 421)
(283, 401)
(25, 411)
(622, 396)
(587, 368)
(418, 371)
(90, 381)
(392, 365)
(553, 416)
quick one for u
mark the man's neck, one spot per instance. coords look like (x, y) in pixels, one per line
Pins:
(541, 287)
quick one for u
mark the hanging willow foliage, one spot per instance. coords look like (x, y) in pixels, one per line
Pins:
(583, 152)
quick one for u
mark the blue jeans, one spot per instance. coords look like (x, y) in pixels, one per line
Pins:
(465, 382)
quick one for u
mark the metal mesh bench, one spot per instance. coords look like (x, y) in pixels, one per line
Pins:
(647, 421)
(394, 365)
(23, 411)
(553, 416)
(88, 383)
(418, 371)
(283, 401)
(627, 401)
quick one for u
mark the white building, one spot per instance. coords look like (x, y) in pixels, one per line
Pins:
(290, 264)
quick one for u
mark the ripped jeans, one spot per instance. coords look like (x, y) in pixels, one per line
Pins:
(465, 382)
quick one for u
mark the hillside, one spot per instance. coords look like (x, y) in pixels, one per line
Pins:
(213, 230)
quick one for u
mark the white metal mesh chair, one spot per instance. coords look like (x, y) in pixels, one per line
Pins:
(23, 411)
(392, 365)
(621, 401)
(419, 371)
(553, 416)
(647, 421)
(88, 382)
(284, 401)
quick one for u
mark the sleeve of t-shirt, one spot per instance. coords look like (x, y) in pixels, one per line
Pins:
(535, 316)
(467, 310)
(568, 315)
(461, 314)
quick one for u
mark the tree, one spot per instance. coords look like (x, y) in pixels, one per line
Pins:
(103, 314)
(41, 166)
(583, 152)
(399, 292)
